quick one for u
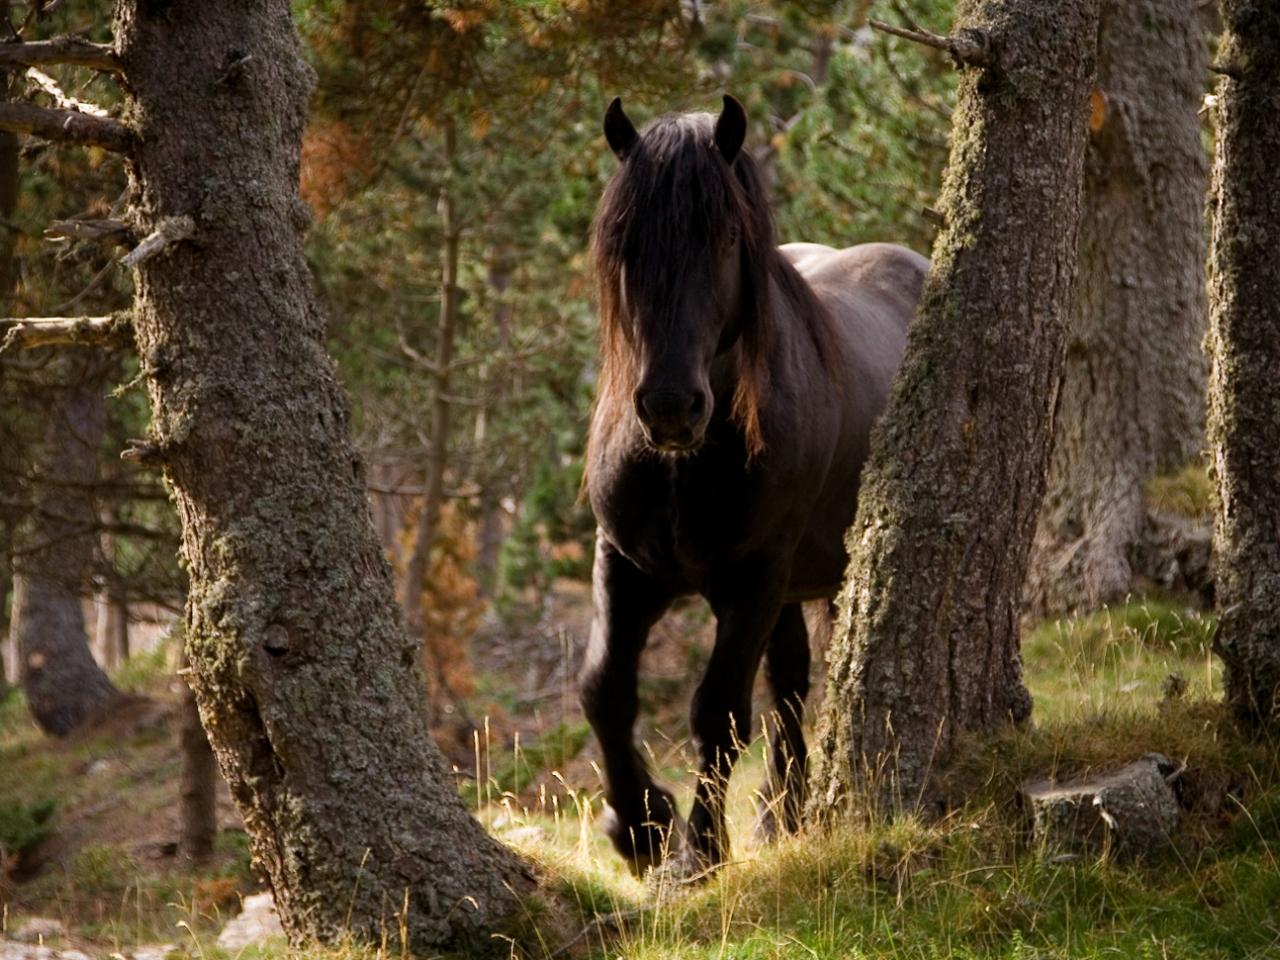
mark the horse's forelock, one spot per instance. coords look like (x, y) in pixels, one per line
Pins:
(673, 195)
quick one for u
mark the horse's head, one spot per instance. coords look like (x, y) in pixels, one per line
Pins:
(679, 243)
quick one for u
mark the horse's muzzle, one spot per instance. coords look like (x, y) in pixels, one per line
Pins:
(674, 421)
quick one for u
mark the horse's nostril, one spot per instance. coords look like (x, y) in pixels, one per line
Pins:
(697, 403)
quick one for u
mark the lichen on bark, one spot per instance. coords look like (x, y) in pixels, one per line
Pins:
(308, 687)
(926, 643)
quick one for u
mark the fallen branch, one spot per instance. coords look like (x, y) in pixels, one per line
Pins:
(114, 330)
(971, 47)
(65, 126)
(72, 51)
(168, 231)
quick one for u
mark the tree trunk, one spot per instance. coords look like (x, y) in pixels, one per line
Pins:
(65, 687)
(1244, 342)
(112, 627)
(926, 645)
(9, 182)
(198, 793)
(491, 520)
(419, 566)
(306, 683)
(1132, 402)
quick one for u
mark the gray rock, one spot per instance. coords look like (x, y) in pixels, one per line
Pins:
(1130, 812)
(152, 951)
(256, 923)
(39, 929)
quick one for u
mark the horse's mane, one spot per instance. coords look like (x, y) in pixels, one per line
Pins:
(671, 198)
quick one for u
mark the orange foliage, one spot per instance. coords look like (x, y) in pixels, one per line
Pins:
(451, 603)
(331, 154)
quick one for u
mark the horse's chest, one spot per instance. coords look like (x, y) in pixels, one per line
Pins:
(678, 522)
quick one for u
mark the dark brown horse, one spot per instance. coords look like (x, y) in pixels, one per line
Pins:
(738, 386)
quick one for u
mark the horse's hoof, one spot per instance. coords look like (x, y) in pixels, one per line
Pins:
(767, 827)
(774, 818)
(645, 846)
(686, 868)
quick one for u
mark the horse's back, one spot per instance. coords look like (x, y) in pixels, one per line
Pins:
(871, 292)
(886, 271)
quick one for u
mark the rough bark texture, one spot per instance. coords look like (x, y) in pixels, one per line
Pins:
(926, 645)
(1133, 384)
(1244, 343)
(65, 687)
(309, 689)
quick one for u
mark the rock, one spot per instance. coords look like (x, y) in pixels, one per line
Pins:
(39, 929)
(526, 834)
(1173, 687)
(256, 923)
(13, 950)
(1131, 812)
(153, 951)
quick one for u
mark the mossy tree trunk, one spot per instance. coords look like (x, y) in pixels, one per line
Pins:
(926, 642)
(1132, 402)
(307, 684)
(1244, 343)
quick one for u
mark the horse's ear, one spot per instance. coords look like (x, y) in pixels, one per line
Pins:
(731, 129)
(619, 130)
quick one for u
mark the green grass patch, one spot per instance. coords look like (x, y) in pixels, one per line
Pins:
(1188, 492)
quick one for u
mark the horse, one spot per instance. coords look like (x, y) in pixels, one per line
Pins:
(737, 387)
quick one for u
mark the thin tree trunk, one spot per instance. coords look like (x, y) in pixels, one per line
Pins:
(312, 696)
(926, 645)
(1244, 342)
(419, 566)
(112, 627)
(65, 687)
(198, 793)
(491, 526)
(9, 182)
(1132, 401)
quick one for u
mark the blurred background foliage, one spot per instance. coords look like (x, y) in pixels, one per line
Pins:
(850, 128)
(470, 132)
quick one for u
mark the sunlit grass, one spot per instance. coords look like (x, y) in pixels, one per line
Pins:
(969, 886)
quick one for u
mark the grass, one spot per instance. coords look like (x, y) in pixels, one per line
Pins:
(970, 886)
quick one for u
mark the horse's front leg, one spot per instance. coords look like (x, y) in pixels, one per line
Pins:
(746, 604)
(626, 604)
(786, 665)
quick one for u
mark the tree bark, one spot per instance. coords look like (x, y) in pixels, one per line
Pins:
(65, 687)
(9, 181)
(306, 683)
(112, 627)
(198, 794)
(1244, 343)
(1132, 402)
(926, 644)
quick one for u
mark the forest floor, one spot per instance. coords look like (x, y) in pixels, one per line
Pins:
(97, 815)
